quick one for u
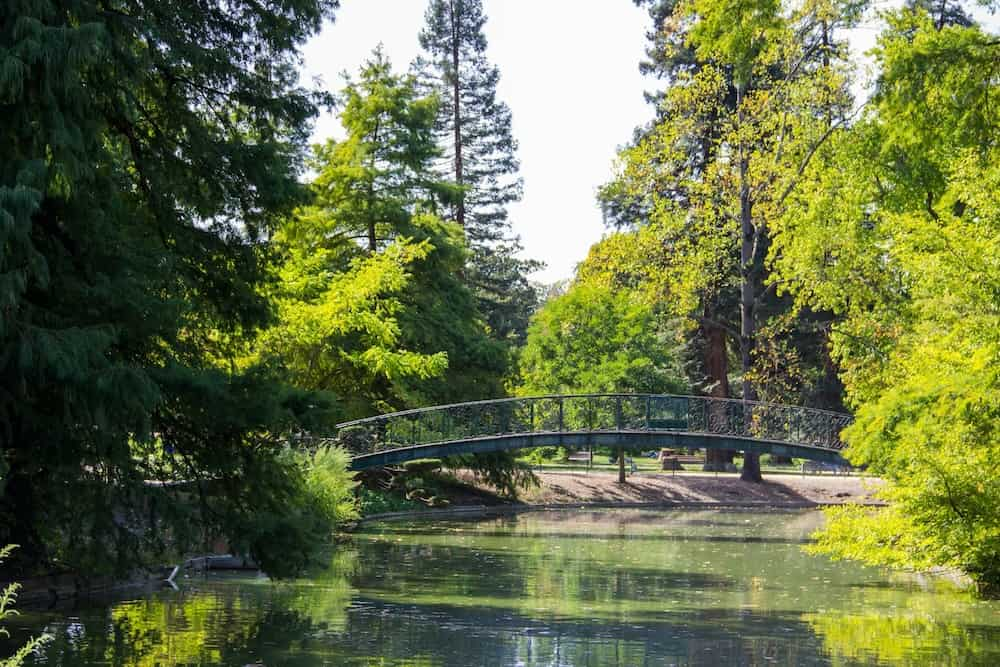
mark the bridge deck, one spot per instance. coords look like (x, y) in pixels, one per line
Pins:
(632, 421)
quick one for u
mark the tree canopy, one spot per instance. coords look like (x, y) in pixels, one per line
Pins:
(593, 339)
(896, 230)
(149, 150)
(480, 155)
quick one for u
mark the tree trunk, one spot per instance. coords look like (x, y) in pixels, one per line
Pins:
(748, 274)
(621, 465)
(717, 370)
(456, 92)
(370, 202)
(748, 328)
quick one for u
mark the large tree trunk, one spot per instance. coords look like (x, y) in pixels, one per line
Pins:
(748, 328)
(621, 465)
(370, 202)
(456, 93)
(717, 369)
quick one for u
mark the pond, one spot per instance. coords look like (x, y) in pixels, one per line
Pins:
(574, 587)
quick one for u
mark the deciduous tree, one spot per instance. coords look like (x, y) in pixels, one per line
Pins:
(761, 86)
(896, 227)
(595, 339)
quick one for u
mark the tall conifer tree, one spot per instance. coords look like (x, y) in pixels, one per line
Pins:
(148, 149)
(474, 128)
(376, 194)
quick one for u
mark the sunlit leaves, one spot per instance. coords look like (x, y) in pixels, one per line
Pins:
(596, 339)
(346, 336)
(897, 227)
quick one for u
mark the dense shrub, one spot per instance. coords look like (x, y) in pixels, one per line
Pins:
(315, 494)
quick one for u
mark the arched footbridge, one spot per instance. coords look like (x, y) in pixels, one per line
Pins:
(632, 421)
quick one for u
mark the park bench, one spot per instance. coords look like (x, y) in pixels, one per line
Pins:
(674, 460)
(819, 467)
(581, 457)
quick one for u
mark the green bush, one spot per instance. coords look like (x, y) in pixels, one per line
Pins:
(540, 455)
(422, 465)
(379, 502)
(310, 495)
(330, 484)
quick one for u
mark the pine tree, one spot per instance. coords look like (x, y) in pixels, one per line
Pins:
(372, 304)
(474, 127)
(371, 184)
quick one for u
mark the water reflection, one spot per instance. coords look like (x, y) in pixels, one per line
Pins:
(555, 588)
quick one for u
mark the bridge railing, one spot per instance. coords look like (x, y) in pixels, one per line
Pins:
(597, 413)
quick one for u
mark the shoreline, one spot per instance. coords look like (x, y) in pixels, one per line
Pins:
(517, 508)
(560, 489)
(573, 487)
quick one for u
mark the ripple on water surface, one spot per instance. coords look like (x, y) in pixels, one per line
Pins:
(610, 587)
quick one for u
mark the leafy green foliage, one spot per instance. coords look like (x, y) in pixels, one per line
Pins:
(331, 484)
(389, 323)
(379, 175)
(149, 150)
(755, 88)
(897, 230)
(339, 332)
(393, 324)
(441, 313)
(291, 527)
(593, 339)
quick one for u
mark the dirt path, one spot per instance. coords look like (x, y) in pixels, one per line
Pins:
(601, 487)
(558, 487)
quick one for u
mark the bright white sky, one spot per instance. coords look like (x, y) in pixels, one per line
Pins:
(570, 74)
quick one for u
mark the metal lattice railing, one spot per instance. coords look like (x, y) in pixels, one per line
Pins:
(594, 413)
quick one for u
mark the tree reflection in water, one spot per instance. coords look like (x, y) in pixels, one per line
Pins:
(558, 589)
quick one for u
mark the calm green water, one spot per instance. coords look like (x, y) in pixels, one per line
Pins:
(556, 588)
